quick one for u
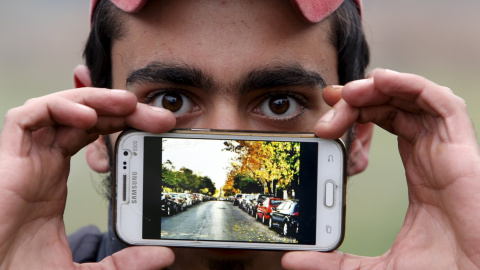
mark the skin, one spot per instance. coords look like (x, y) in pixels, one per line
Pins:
(436, 139)
(440, 153)
(226, 60)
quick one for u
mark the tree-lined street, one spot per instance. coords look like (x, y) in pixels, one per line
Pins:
(218, 220)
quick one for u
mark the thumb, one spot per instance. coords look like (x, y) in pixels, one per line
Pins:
(332, 94)
(312, 260)
(371, 74)
(136, 258)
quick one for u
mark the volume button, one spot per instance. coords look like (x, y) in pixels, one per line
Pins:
(124, 187)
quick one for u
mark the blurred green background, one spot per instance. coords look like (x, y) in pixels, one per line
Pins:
(41, 42)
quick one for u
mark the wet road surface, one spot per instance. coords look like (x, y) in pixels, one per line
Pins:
(218, 220)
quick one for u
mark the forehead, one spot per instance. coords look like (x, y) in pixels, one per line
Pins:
(224, 36)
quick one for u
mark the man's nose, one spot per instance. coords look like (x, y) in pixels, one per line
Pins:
(225, 117)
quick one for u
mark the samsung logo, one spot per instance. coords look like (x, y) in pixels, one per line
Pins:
(134, 188)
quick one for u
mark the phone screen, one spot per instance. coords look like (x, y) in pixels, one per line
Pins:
(193, 187)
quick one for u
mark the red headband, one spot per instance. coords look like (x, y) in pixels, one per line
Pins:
(311, 10)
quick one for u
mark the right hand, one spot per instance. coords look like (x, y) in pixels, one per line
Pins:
(36, 144)
(440, 153)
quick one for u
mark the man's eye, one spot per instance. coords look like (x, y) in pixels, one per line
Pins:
(280, 106)
(175, 102)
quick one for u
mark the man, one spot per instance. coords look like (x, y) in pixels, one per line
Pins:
(227, 65)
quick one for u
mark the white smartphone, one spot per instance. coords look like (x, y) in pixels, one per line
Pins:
(230, 189)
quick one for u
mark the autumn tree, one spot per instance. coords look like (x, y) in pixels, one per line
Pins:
(228, 188)
(270, 164)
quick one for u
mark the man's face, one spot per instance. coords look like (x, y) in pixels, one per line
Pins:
(249, 65)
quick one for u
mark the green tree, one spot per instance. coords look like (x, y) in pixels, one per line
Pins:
(168, 176)
(247, 184)
(207, 183)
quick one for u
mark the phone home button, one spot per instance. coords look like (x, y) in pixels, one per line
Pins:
(329, 193)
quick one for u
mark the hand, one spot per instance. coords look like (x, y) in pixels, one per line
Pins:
(440, 153)
(36, 144)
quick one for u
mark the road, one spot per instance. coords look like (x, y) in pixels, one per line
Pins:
(218, 220)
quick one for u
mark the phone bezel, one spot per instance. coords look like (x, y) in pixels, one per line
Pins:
(121, 226)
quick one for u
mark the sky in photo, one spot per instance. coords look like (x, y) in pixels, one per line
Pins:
(203, 157)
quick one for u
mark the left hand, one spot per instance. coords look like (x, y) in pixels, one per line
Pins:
(36, 145)
(439, 151)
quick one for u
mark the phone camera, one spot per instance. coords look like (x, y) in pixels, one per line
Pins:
(125, 153)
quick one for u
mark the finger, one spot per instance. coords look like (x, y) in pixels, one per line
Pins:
(88, 111)
(21, 122)
(151, 119)
(342, 116)
(144, 117)
(332, 94)
(310, 260)
(46, 112)
(336, 121)
(72, 140)
(76, 108)
(430, 97)
(103, 101)
(415, 94)
(136, 258)
(372, 73)
(58, 110)
(438, 101)
(399, 88)
(119, 109)
(362, 93)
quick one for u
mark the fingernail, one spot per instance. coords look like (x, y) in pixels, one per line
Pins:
(337, 87)
(158, 109)
(360, 83)
(392, 71)
(118, 91)
(328, 117)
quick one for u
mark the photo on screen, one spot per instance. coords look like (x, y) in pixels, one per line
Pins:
(230, 190)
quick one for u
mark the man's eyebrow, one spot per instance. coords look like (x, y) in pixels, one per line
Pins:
(280, 76)
(157, 72)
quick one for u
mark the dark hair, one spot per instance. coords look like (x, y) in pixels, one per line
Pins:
(105, 29)
(349, 39)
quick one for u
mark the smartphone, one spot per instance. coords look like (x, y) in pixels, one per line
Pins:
(230, 189)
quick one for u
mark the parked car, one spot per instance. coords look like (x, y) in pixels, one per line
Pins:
(243, 202)
(188, 198)
(252, 205)
(194, 198)
(265, 209)
(285, 217)
(237, 199)
(199, 197)
(168, 206)
(180, 200)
